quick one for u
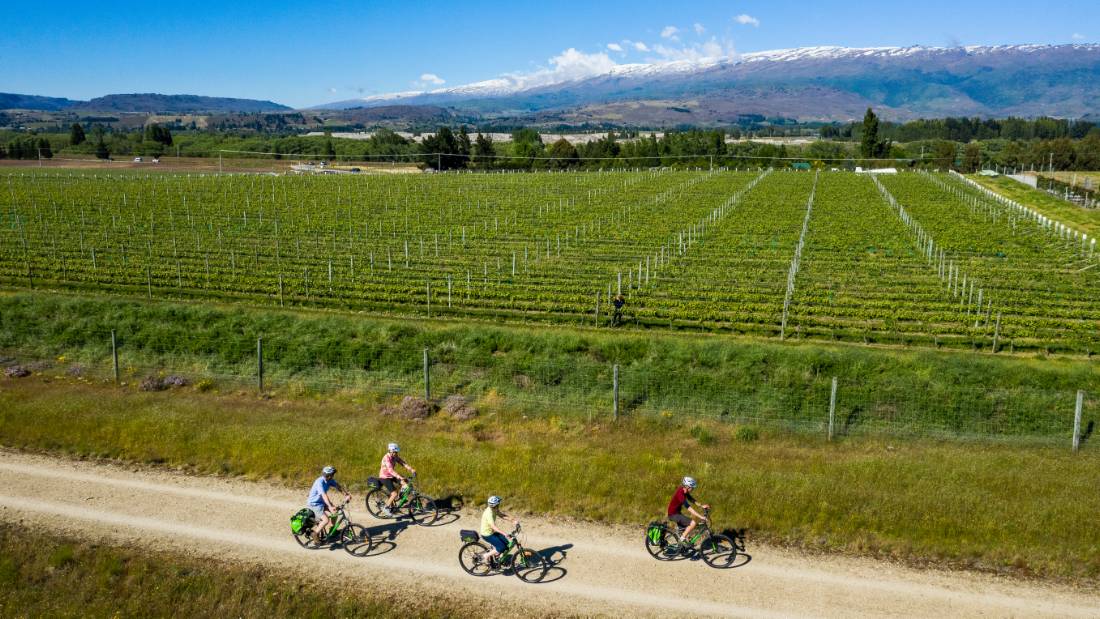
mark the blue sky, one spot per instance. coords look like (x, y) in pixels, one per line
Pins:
(304, 54)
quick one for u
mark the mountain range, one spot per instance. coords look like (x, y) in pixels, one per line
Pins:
(808, 84)
(140, 103)
(812, 83)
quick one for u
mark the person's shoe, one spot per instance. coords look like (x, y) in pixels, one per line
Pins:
(386, 512)
(316, 538)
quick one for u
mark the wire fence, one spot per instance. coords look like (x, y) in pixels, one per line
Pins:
(806, 404)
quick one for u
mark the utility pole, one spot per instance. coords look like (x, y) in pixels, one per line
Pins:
(1051, 164)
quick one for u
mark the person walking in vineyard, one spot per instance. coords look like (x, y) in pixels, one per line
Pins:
(618, 301)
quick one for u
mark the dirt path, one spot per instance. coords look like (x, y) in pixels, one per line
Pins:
(601, 570)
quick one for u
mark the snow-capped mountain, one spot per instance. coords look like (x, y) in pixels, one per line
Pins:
(825, 82)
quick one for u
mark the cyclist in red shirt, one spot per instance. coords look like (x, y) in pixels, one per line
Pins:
(679, 501)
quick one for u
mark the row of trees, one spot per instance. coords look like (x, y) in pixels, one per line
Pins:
(966, 129)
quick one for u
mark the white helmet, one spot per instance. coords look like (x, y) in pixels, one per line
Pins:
(394, 447)
(688, 482)
(494, 501)
(329, 470)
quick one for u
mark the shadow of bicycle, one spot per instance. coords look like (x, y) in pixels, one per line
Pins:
(550, 569)
(383, 537)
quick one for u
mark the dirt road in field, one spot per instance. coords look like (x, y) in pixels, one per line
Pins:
(598, 571)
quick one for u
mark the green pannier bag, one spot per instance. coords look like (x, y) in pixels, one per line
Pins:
(301, 521)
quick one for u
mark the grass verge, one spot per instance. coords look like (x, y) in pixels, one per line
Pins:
(1014, 509)
(45, 576)
(1086, 220)
(563, 371)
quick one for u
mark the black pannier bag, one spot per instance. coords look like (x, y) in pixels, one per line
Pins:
(468, 535)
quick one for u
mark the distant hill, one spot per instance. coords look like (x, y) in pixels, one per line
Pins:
(178, 104)
(141, 103)
(813, 83)
(11, 101)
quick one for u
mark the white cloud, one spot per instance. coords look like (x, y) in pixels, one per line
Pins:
(332, 91)
(669, 32)
(747, 20)
(567, 66)
(699, 28)
(432, 79)
(712, 49)
(615, 47)
(1077, 36)
(641, 47)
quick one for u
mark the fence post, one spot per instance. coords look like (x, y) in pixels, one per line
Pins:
(260, 361)
(114, 354)
(427, 377)
(832, 408)
(996, 331)
(615, 392)
(1077, 420)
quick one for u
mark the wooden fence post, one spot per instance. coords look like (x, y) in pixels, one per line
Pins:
(615, 393)
(1077, 420)
(832, 408)
(427, 377)
(114, 354)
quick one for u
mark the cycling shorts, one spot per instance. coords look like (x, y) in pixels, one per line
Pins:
(390, 483)
(498, 541)
(680, 520)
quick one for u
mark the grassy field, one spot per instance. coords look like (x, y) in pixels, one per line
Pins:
(46, 576)
(557, 371)
(1086, 220)
(1021, 510)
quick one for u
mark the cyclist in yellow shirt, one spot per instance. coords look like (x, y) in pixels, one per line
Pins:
(490, 532)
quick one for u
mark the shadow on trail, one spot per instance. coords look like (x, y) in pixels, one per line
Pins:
(550, 569)
(448, 509)
(384, 536)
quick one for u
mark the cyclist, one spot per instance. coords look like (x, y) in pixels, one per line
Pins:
(493, 534)
(681, 499)
(320, 503)
(388, 474)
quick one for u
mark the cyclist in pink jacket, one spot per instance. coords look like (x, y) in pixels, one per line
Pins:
(389, 476)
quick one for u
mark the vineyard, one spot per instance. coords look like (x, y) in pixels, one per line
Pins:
(918, 259)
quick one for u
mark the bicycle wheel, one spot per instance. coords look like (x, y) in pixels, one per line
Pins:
(469, 557)
(376, 503)
(355, 541)
(423, 511)
(526, 562)
(718, 551)
(660, 548)
(304, 538)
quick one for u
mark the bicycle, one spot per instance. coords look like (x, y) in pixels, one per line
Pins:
(420, 507)
(716, 549)
(341, 530)
(515, 557)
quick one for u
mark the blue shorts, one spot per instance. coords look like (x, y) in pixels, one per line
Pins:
(498, 541)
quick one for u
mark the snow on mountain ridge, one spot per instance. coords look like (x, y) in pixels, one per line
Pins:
(512, 84)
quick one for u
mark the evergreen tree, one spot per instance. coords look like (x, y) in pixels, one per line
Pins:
(330, 149)
(484, 152)
(563, 154)
(464, 146)
(43, 150)
(869, 145)
(76, 135)
(101, 150)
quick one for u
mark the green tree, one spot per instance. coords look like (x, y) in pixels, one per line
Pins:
(330, 149)
(484, 151)
(870, 145)
(441, 150)
(972, 157)
(563, 154)
(76, 135)
(43, 149)
(464, 146)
